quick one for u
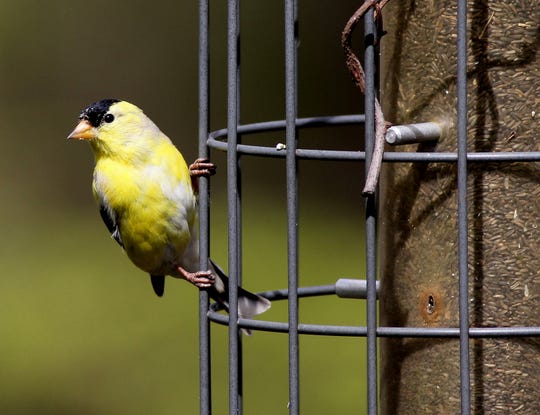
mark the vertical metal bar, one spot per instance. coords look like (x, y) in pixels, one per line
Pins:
(292, 198)
(371, 215)
(205, 403)
(233, 67)
(462, 205)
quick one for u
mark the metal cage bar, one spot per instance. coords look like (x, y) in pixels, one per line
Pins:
(205, 401)
(234, 204)
(292, 199)
(328, 121)
(463, 243)
(371, 215)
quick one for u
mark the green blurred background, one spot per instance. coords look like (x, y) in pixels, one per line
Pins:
(81, 330)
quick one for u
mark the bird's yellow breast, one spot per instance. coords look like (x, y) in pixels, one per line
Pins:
(153, 204)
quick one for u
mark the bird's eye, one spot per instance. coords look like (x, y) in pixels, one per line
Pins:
(108, 118)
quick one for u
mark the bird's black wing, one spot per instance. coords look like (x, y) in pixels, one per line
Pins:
(111, 224)
(158, 284)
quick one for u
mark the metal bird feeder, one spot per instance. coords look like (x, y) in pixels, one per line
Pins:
(458, 241)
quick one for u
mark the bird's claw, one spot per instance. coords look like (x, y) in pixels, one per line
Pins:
(201, 279)
(202, 167)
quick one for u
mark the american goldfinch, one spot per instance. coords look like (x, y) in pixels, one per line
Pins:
(146, 197)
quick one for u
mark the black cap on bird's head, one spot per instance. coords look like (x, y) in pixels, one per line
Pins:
(91, 118)
(95, 112)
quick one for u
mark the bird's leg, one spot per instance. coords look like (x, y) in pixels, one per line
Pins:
(200, 167)
(201, 279)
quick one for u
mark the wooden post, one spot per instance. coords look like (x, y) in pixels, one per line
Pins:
(419, 282)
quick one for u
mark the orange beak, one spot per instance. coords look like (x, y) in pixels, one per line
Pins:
(83, 131)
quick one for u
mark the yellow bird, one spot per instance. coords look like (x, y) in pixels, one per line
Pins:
(146, 198)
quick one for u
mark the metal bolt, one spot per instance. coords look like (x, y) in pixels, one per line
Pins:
(413, 133)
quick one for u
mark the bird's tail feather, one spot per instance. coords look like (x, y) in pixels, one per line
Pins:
(249, 304)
